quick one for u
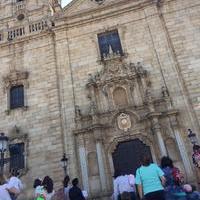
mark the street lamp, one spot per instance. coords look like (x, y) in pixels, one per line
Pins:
(196, 148)
(3, 149)
(64, 163)
(192, 136)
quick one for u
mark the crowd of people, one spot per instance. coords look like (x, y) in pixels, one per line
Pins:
(153, 182)
(11, 187)
(44, 190)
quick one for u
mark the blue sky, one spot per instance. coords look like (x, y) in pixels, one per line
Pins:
(65, 2)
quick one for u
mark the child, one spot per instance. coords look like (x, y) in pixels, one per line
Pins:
(39, 190)
(14, 184)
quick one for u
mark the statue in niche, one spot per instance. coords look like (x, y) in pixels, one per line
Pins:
(97, 76)
(104, 90)
(148, 95)
(132, 68)
(77, 111)
(93, 108)
(139, 68)
(165, 92)
(91, 78)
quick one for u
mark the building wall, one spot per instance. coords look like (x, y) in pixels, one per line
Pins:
(148, 37)
(60, 58)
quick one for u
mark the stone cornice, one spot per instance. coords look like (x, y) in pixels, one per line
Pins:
(90, 129)
(153, 114)
(150, 115)
(172, 112)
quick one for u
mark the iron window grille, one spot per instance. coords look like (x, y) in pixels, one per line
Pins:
(16, 96)
(109, 41)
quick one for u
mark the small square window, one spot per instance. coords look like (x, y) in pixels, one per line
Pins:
(109, 40)
(17, 159)
(16, 96)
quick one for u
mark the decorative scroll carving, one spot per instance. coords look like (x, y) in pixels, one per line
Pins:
(77, 111)
(93, 108)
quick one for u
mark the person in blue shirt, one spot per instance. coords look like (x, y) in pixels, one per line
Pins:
(150, 180)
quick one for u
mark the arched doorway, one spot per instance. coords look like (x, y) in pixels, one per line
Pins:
(126, 157)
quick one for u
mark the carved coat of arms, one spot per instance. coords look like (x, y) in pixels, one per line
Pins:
(124, 122)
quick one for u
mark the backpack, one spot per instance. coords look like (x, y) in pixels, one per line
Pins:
(178, 176)
(40, 198)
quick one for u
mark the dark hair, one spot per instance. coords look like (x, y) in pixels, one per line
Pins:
(146, 160)
(66, 181)
(116, 173)
(37, 182)
(194, 188)
(196, 147)
(75, 182)
(48, 184)
(14, 172)
(166, 162)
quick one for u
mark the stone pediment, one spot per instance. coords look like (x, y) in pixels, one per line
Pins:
(81, 6)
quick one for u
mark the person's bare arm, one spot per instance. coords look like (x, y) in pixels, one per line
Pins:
(163, 180)
(13, 190)
(140, 191)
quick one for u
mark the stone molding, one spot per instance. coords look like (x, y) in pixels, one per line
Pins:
(143, 138)
(16, 77)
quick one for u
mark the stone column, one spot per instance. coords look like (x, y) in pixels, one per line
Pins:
(157, 130)
(100, 158)
(83, 163)
(181, 147)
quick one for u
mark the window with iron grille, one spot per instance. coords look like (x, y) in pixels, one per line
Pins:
(16, 96)
(17, 159)
(109, 40)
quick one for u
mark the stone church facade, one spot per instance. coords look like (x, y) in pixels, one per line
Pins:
(104, 81)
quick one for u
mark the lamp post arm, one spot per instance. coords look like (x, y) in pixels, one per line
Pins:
(2, 163)
(65, 170)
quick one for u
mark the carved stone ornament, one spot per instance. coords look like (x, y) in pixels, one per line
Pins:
(124, 122)
(16, 77)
